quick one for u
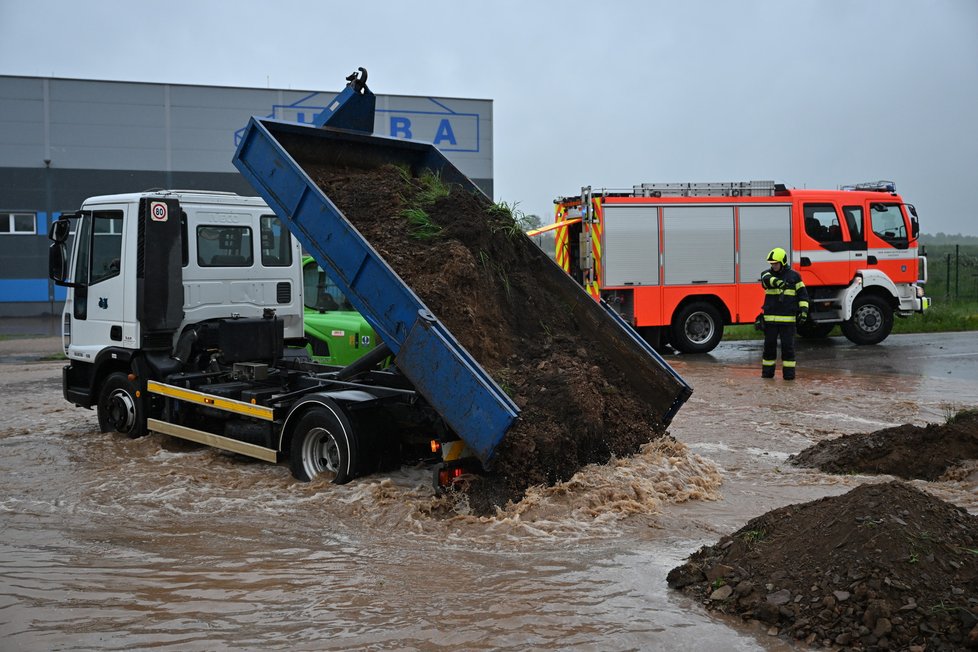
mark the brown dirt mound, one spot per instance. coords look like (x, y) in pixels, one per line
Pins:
(479, 278)
(882, 567)
(909, 452)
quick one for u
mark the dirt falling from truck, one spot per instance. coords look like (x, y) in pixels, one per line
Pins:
(473, 267)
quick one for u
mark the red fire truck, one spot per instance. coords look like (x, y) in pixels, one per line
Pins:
(681, 260)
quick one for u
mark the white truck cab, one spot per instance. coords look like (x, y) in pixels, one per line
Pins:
(143, 267)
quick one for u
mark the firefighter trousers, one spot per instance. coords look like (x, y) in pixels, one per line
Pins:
(785, 331)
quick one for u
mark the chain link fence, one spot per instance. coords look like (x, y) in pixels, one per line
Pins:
(952, 272)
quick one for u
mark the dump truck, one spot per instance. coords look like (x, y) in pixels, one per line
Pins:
(235, 383)
(681, 260)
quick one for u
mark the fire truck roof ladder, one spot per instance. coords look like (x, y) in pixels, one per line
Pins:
(872, 186)
(722, 189)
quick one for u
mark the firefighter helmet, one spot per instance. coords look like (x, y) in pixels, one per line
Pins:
(778, 255)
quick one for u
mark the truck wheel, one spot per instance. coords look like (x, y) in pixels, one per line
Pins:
(696, 328)
(871, 321)
(322, 448)
(119, 409)
(814, 331)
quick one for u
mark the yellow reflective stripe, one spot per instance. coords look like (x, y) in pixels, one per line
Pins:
(772, 291)
(789, 293)
(592, 289)
(209, 400)
(788, 364)
(802, 304)
(455, 450)
(597, 231)
(799, 285)
(779, 318)
(768, 363)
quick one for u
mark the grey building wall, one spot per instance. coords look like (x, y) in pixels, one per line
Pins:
(62, 140)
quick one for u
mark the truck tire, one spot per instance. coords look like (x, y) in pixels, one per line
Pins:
(871, 321)
(322, 447)
(696, 328)
(813, 331)
(119, 409)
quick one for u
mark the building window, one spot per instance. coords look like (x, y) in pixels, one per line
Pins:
(18, 223)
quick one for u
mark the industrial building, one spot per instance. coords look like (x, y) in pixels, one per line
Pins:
(62, 140)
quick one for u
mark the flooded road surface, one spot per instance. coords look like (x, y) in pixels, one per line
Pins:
(116, 544)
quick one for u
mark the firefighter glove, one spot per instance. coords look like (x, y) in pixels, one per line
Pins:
(775, 283)
(803, 316)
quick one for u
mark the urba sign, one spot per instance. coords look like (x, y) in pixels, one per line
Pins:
(414, 118)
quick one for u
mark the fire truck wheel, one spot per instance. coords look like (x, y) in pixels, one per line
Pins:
(814, 331)
(119, 409)
(321, 448)
(871, 322)
(696, 328)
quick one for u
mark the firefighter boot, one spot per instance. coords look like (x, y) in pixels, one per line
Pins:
(788, 370)
(767, 369)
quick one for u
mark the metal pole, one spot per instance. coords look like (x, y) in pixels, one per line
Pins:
(957, 270)
(947, 281)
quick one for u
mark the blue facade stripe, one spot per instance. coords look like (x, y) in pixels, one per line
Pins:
(25, 289)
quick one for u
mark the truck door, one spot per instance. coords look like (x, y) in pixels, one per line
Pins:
(859, 258)
(97, 300)
(888, 242)
(824, 251)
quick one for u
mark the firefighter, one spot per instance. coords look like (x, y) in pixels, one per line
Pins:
(785, 303)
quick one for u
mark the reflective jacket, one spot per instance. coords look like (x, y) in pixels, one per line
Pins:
(784, 295)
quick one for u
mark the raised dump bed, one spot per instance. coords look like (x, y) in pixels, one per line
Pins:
(281, 161)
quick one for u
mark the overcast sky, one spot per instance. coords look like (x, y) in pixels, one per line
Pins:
(609, 94)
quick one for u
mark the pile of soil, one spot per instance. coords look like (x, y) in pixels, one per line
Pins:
(909, 452)
(481, 278)
(882, 567)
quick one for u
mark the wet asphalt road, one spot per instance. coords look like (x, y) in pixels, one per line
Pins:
(949, 356)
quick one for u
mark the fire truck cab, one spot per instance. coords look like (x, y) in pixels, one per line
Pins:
(681, 260)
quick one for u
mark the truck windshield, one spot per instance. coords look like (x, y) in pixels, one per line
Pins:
(888, 223)
(320, 292)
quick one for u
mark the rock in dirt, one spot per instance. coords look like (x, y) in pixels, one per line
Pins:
(874, 582)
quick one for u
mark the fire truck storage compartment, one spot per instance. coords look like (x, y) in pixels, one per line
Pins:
(762, 228)
(632, 233)
(699, 244)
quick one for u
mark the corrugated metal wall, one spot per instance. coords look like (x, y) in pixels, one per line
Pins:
(62, 140)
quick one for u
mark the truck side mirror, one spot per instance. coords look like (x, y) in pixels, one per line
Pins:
(57, 262)
(914, 227)
(59, 231)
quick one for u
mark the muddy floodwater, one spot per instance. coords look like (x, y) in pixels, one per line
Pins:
(115, 544)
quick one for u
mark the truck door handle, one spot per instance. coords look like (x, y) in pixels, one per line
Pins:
(806, 261)
(871, 260)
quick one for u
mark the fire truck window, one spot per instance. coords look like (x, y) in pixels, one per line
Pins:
(854, 220)
(887, 221)
(822, 223)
